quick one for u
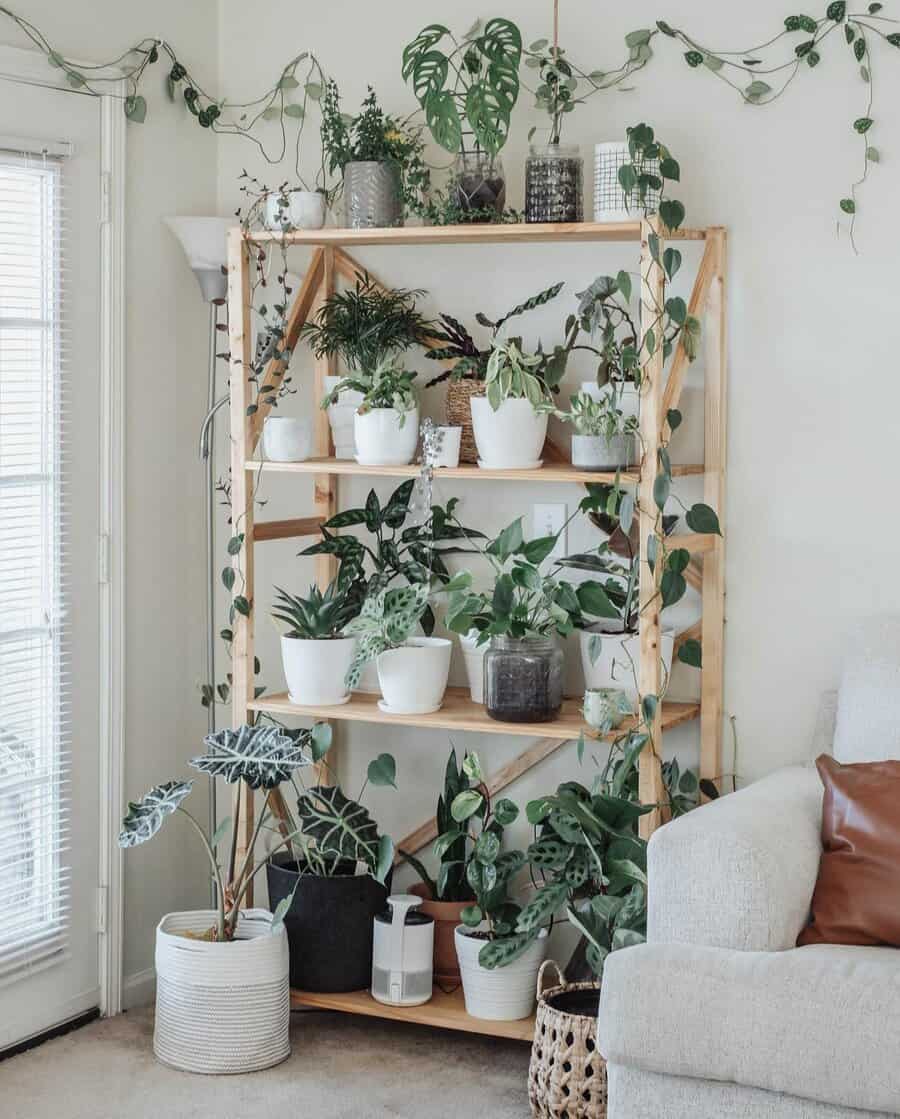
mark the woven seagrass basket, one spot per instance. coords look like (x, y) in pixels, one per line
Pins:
(567, 1075)
(459, 414)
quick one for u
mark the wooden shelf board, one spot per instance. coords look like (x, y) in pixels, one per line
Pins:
(549, 472)
(473, 234)
(460, 713)
(444, 1011)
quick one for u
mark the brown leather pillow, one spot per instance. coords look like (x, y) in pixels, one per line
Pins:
(857, 895)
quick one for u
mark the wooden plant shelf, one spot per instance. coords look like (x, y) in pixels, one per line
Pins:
(444, 1011)
(549, 472)
(460, 713)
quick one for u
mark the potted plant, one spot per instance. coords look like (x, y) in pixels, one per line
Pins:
(370, 328)
(315, 652)
(476, 81)
(447, 893)
(498, 969)
(466, 376)
(289, 208)
(219, 970)
(333, 879)
(412, 671)
(604, 437)
(379, 159)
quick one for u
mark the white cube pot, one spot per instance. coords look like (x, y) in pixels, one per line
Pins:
(618, 661)
(341, 416)
(287, 439)
(315, 670)
(512, 438)
(596, 452)
(413, 678)
(221, 1007)
(502, 994)
(302, 209)
(473, 657)
(386, 437)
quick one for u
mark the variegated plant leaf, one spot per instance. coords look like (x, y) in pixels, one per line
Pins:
(263, 756)
(146, 816)
(339, 826)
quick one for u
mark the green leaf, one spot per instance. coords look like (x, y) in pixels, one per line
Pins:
(261, 756)
(859, 48)
(443, 121)
(693, 58)
(504, 950)
(228, 576)
(848, 205)
(320, 741)
(666, 29)
(672, 587)
(627, 177)
(471, 916)
(808, 24)
(429, 75)
(338, 826)
(135, 108)
(382, 771)
(673, 416)
(661, 488)
(672, 212)
(873, 155)
(637, 38)
(235, 544)
(509, 541)
(691, 653)
(594, 601)
(536, 811)
(221, 831)
(863, 124)
(649, 705)
(55, 59)
(536, 551)
(542, 907)
(147, 815)
(241, 604)
(313, 90)
(894, 38)
(281, 909)
(701, 518)
(294, 111)
(757, 89)
(671, 262)
(506, 812)
(273, 112)
(836, 11)
(626, 512)
(487, 847)
(384, 859)
(466, 804)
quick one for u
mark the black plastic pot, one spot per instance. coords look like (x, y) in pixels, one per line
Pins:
(329, 924)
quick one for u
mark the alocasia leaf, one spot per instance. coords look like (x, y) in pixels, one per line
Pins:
(263, 756)
(147, 815)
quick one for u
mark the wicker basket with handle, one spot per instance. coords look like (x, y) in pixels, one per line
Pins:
(459, 414)
(567, 1075)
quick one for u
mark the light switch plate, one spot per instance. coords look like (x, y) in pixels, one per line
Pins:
(549, 519)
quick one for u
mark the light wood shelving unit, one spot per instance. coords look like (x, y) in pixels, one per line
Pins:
(329, 260)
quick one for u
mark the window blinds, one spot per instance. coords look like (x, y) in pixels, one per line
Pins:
(34, 722)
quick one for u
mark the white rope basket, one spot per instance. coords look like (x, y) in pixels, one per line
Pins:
(221, 1007)
(611, 204)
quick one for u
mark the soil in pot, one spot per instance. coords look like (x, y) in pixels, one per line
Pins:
(523, 680)
(329, 924)
(447, 917)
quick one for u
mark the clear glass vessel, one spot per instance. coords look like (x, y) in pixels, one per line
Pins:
(523, 679)
(478, 183)
(554, 184)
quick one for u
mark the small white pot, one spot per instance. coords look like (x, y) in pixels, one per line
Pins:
(618, 661)
(504, 994)
(414, 678)
(629, 396)
(286, 439)
(221, 1007)
(341, 416)
(512, 438)
(473, 655)
(386, 437)
(448, 455)
(315, 670)
(596, 452)
(305, 209)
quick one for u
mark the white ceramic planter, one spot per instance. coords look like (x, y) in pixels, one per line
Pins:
(618, 660)
(221, 1007)
(596, 452)
(451, 440)
(305, 209)
(512, 438)
(341, 416)
(414, 678)
(473, 656)
(386, 437)
(286, 439)
(504, 994)
(315, 670)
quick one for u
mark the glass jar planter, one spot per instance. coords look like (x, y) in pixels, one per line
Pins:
(523, 679)
(478, 183)
(554, 180)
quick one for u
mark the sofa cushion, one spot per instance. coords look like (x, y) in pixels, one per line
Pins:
(867, 728)
(821, 1022)
(857, 894)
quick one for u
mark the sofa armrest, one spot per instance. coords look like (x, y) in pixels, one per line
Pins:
(739, 872)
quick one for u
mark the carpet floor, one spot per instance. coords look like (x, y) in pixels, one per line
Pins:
(341, 1067)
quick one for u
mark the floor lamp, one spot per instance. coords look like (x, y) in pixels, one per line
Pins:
(204, 241)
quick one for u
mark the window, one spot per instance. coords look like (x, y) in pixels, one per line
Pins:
(33, 677)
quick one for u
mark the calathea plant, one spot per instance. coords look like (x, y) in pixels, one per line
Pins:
(386, 621)
(259, 756)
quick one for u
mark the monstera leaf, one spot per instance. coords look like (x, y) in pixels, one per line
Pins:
(339, 826)
(145, 816)
(262, 756)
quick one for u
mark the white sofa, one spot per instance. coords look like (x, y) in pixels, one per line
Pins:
(719, 1014)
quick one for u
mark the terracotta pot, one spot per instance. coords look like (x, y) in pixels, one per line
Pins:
(447, 917)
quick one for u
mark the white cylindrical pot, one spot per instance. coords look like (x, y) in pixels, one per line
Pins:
(596, 452)
(299, 209)
(287, 439)
(503, 994)
(617, 663)
(512, 438)
(386, 437)
(448, 455)
(315, 669)
(341, 416)
(414, 678)
(473, 656)
(221, 1007)
(368, 679)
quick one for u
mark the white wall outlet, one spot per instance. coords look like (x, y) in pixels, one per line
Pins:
(548, 520)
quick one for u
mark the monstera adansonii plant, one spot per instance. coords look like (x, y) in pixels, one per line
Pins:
(262, 757)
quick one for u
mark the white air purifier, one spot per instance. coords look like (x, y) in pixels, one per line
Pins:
(403, 953)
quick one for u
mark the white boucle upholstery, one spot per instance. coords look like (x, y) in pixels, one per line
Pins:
(821, 1022)
(739, 872)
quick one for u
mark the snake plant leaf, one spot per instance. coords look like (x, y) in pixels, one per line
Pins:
(262, 756)
(504, 951)
(146, 816)
(338, 825)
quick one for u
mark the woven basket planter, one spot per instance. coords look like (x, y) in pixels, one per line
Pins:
(459, 414)
(567, 1076)
(221, 1007)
